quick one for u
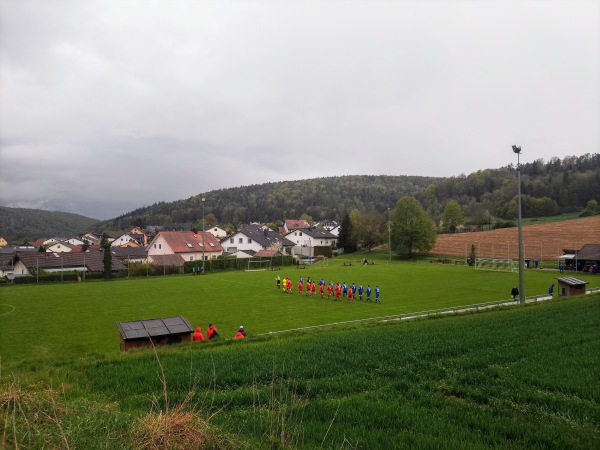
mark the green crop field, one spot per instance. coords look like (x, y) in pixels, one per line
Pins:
(516, 377)
(62, 321)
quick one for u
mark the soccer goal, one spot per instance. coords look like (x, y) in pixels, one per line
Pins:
(256, 266)
(496, 264)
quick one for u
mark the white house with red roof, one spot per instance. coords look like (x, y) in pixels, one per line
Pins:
(291, 225)
(176, 247)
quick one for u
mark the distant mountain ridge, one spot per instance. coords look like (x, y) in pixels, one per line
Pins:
(19, 224)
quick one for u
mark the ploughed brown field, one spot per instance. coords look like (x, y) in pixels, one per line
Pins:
(543, 241)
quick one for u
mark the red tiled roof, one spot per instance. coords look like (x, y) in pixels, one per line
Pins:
(178, 241)
(296, 224)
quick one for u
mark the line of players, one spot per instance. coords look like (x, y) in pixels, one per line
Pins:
(336, 292)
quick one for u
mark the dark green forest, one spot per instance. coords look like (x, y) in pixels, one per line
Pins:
(548, 188)
(18, 224)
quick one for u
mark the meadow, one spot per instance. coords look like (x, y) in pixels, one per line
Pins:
(514, 377)
(65, 321)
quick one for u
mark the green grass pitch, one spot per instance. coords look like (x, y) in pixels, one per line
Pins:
(65, 321)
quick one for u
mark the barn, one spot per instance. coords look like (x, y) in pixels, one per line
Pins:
(154, 332)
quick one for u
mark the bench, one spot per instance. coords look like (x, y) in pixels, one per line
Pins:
(347, 264)
(461, 262)
(301, 266)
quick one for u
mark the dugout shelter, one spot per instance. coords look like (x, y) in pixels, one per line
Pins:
(571, 286)
(154, 332)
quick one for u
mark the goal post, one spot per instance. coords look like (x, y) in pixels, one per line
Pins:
(507, 265)
(258, 265)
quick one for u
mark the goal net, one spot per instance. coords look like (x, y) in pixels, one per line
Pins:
(496, 264)
(255, 266)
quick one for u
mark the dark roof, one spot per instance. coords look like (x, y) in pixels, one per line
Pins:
(318, 233)
(572, 281)
(6, 261)
(129, 252)
(589, 252)
(154, 327)
(265, 237)
(47, 260)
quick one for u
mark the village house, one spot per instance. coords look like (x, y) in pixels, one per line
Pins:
(253, 238)
(216, 231)
(125, 240)
(59, 247)
(291, 225)
(306, 239)
(173, 248)
(138, 234)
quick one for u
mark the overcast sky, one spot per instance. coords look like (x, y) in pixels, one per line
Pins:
(107, 106)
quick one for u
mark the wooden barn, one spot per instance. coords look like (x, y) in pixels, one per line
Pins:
(570, 286)
(154, 332)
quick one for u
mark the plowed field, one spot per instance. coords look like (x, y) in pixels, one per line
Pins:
(543, 242)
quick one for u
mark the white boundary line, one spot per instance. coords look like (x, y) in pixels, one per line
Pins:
(9, 312)
(430, 313)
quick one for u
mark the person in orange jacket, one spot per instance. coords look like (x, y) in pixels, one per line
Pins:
(198, 336)
(241, 334)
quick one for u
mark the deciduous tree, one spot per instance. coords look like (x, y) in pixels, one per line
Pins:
(411, 228)
(453, 216)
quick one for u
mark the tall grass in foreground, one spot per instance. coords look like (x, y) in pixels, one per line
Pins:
(524, 377)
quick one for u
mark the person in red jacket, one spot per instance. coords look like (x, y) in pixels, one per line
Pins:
(198, 336)
(211, 332)
(241, 334)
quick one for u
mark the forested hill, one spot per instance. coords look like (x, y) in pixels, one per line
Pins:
(19, 224)
(319, 198)
(548, 188)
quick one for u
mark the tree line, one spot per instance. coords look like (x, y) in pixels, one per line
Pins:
(484, 197)
(548, 188)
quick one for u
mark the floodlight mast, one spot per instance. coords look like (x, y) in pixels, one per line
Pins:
(203, 235)
(517, 150)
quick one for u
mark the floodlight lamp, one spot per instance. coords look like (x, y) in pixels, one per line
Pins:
(516, 149)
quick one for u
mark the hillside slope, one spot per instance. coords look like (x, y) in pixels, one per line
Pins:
(19, 224)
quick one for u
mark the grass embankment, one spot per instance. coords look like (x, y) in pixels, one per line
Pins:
(525, 377)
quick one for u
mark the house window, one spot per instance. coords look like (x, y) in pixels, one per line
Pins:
(154, 245)
(191, 258)
(231, 241)
(159, 246)
(241, 241)
(249, 241)
(301, 233)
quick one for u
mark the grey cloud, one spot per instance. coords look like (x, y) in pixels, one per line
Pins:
(147, 94)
